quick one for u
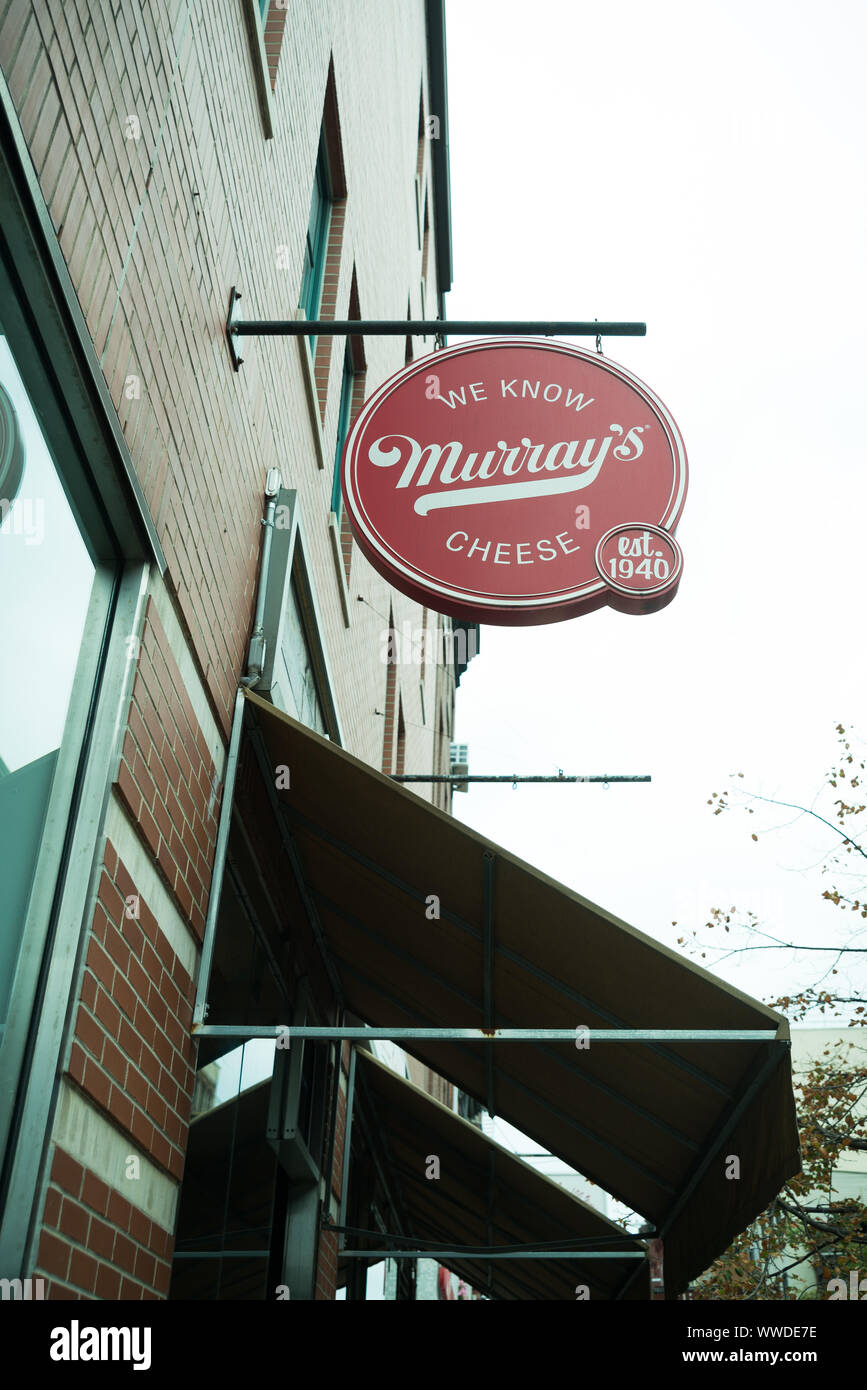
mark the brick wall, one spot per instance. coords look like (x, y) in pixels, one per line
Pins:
(167, 777)
(131, 1053)
(95, 1244)
(146, 139)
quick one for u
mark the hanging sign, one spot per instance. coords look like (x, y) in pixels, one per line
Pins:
(518, 481)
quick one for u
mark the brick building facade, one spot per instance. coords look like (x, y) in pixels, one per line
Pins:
(154, 157)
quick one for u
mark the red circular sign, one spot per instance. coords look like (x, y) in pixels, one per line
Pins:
(484, 481)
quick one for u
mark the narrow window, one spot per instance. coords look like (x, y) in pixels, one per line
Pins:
(316, 246)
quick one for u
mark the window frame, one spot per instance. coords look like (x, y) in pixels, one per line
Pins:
(255, 22)
(58, 365)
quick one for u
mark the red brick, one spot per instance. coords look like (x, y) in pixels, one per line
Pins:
(90, 1033)
(129, 791)
(77, 1059)
(114, 1062)
(142, 1130)
(100, 964)
(101, 1239)
(95, 1193)
(124, 1252)
(167, 864)
(51, 1212)
(83, 1270)
(150, 1065)
(66, 1173)
(97, 1084)
(161, 1150)
(110, 898)
(101, 923)
(133, 934)
(74, 1221)
(139, 1226)
(53, 1255)
(121, 1108)
(161, 1242)
(145, 782)
(139, 981)
(149, 829)
(130, 1042)
(117, 949)
(119, 1210)
(130, 1291)
(137, 1087)
(125, 998)
(164, 1050)
(107, 1283)
(61, 1292)
(157, 1008)
(145, 1267)
(108, 1013)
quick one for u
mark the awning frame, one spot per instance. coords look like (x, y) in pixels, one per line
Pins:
(288, 819)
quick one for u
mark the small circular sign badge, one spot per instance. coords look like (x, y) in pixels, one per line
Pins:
(641, 564)
(518, 481)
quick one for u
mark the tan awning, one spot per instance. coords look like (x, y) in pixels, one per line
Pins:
(653, 1123)
(484, 1196)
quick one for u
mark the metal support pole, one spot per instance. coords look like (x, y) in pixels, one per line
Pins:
(347, 1144)
(468, 777)
(488, 863)
(657, 1281)
(415, 328)
(483, 1255)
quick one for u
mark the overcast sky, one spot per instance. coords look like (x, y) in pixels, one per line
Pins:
(699, 167)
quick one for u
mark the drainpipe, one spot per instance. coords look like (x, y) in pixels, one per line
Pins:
(256, 654)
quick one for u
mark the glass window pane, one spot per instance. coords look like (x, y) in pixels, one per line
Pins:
(46, 578)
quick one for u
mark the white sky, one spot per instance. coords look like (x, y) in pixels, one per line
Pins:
(699, 167)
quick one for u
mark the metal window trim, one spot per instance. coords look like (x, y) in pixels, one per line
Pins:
(63, 962)
(51, 856)
(299, 571)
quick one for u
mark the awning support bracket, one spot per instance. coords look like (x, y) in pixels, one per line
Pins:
(416, 328)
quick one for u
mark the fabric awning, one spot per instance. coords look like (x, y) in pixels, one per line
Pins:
(485, 1196)
(652, 1123)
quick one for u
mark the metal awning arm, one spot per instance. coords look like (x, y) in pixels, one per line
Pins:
(390, 1034)
(416, 328)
